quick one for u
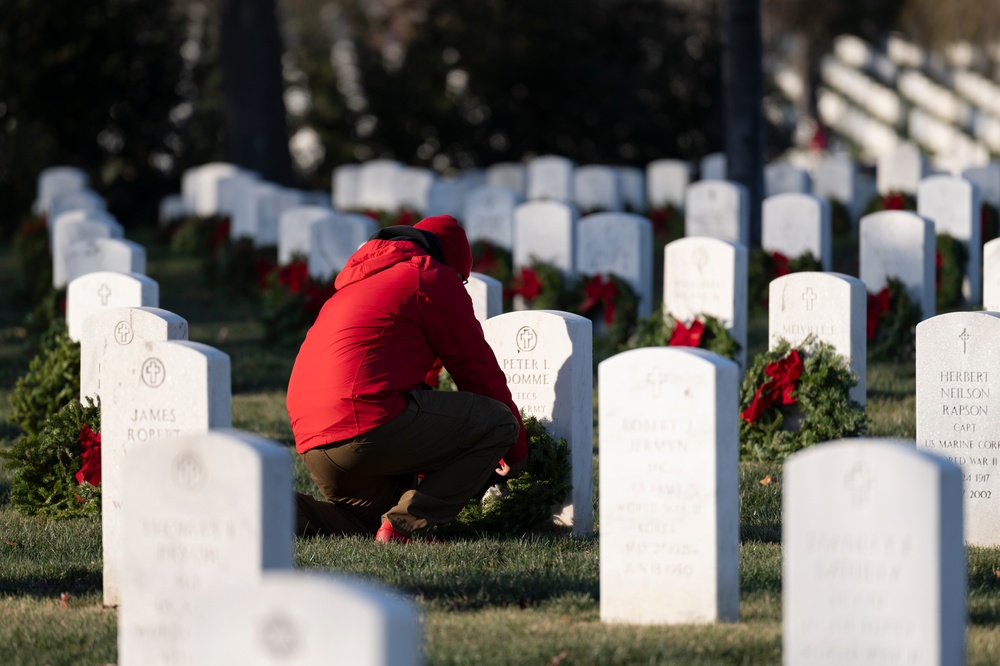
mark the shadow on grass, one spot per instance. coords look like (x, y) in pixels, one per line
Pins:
(75, 580)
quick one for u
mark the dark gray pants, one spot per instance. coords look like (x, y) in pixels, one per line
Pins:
(455, 439)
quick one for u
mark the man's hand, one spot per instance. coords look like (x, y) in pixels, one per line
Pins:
(511, 471)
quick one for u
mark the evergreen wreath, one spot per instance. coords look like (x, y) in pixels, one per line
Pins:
(518, 505)
(990, 221)
(766, 266)
(811, 381)
(704, 331)
(610, 303)
(540, 284)
(668, 223)
(840, 218)
(290, 302)
(56, 471)
(52, 381)
(31, 247)
(951, 260)
(492, 260)
(891, 201)
(892, 323)
(197, 235)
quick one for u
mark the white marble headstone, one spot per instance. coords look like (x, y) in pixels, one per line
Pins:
(633, 180)
(597, 188)
(507, 174)
(413, 186)
(103, 290)
(270, 207)
(104, 254)
(901, 170)
(55, 180)
(785, 178)
(550, 177)
(708, 276)
(545, 230)
(73, 226)
(118, 327)
(954, 207)
(489, 215)
(618, 243)
(377, 185)
(446, 197)
(873, 563)
(295, 617)
(957, 371)
(718, 209)
(798, 224)
(900, 244)
(987, 179)
(546, 358)
(345, 187)
(991, 275)
(836, 179)
(714, 166)
(199, 186)
(830, 307)
(293, 231)
(670, 523)
(151, 393)
(667, 182)
(84, 199)
(486, 294)
(246, 220)
(332, 241)
(203, 513)
(231, 188)
(172, 207)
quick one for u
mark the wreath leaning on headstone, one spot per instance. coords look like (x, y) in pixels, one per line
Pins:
(766, 266)
(950, 264)
(56, 471)
(539, 284)
(797, 397)
(704, 331)
(290, 302)
(52, 381)
(892, 323)
(520, 504)
(493, 260)
(610, 303)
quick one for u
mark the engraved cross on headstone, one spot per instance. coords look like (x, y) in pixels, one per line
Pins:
(859, 483)
(152, 372)
(526, 338)
(657, 379)
(104, 292)
(809, 298)
(964, 337)
(123, 333)
(700, 259)
(279, 636)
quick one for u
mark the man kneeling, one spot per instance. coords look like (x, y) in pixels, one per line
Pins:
(363, 419)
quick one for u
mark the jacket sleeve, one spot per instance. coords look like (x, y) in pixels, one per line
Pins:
(456, 336)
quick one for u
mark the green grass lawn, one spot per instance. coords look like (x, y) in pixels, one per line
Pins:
(532, 600)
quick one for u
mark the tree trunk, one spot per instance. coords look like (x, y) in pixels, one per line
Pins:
(744, 121)
(254, 106)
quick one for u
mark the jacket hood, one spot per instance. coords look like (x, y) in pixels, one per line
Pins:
(376, 256)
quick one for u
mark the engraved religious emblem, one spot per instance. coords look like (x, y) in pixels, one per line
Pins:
(964, 337)
(188, 471)
(123, 333)
(657, 379)
(279, 636)
(809, 298)
(153, 373)
(526, 338)
(104, 292)
(700, 259)
(859, 483)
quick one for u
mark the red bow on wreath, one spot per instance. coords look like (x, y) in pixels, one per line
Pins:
(878, 306)
(599, 291)
(778, 389)
(90, 451)
(486, 262)
(526, 285)
(894, 201)
(294, 276)
(782, 264)
(684, 336)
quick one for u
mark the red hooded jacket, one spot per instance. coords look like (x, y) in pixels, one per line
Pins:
(396, 310)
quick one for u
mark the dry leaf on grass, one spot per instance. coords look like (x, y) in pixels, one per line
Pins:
(559, 658)
(64, 599)
(767, 480)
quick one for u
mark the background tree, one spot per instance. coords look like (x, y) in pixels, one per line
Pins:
(89, 84)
